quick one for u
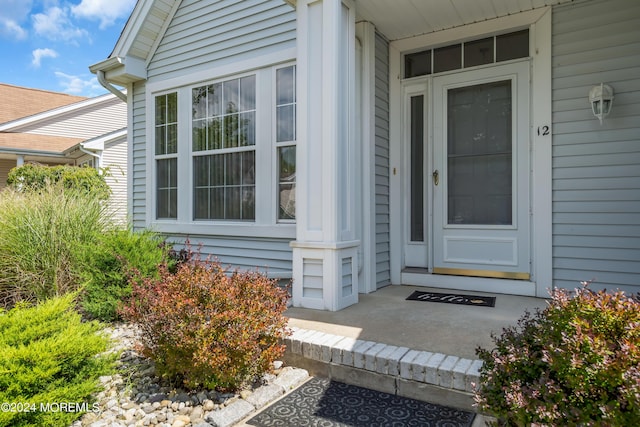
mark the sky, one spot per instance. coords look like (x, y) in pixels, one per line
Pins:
(50, 44)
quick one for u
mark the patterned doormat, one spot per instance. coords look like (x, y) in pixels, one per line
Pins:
(479, 301)
(324, 403)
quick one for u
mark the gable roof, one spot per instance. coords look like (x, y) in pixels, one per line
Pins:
(47, 123)
(19, 102)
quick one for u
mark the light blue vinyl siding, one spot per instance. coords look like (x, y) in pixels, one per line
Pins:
(138, 160)
(271, 256)
(383, 268)
(205, 34)
(596, 168)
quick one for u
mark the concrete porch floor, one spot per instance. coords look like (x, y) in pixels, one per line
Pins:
(385, 316)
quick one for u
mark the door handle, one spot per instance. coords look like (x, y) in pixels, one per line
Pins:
(436, 177)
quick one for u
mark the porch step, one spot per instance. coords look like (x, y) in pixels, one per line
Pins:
(422, 375)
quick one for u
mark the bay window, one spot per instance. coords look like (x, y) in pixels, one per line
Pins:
(225, 151)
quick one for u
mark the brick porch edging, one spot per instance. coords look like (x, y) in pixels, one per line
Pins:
(446, 371)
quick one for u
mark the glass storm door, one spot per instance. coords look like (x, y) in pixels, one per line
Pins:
(480, 177)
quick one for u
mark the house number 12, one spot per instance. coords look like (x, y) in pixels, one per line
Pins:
(544, 130)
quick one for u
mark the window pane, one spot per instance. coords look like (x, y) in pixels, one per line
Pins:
(229, 181)
(199, 135)
(172, 107)
(214, 100)
(512, 45)
(214, 134)
(417, 64)
(285, 123)
(166, 185)
(248, 203)
(478, 52)
(231, 131)
(231, 97)
(172, 139)
(199, 102)
(248, 167)
(247, 93)
(161, 110)
(160, 140)
(479, 140)
(447, 58)
(233, 169)
(247, 129)
(417, 164)
(287, 182)
(285, 86)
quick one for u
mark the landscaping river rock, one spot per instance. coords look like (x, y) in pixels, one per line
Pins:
(135, 396)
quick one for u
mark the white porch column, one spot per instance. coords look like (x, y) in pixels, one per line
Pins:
(19, 160)
(325, 258)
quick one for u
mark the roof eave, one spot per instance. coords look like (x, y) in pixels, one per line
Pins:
(121, 70)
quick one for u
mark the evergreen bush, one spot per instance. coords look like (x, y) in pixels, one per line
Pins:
(108, 265)
(48, 358)
(576, 363)
(207, 327)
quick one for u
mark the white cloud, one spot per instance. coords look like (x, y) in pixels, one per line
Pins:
(12, 13)
(56, 25)
(38, 54)
(106, 11)
(12, 29)
(77, 85)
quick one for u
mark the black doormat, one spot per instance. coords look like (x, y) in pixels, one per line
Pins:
(324, 403)
(453, 298)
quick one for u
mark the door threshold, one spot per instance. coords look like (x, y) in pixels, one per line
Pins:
(422, 277)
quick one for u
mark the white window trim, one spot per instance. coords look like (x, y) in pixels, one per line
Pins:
(266, 223)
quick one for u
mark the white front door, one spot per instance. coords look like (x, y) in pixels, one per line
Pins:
(480, 172)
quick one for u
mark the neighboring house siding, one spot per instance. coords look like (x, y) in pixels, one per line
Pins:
(383, 269)
(596, 168)
(92, 122)
(5, 166)
(203, 35)
(138, 161)
(115, 159)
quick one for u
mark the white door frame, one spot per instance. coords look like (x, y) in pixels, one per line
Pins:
(539, 23)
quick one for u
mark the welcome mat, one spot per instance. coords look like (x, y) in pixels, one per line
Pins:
(326, 403)
(480, 301)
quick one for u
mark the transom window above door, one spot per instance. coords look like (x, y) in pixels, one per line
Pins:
(483, 51)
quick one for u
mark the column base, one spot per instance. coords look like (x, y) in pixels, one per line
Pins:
(325, 274)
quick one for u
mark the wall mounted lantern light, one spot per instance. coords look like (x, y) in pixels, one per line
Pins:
(601, 98)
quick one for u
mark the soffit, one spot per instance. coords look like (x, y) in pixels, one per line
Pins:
(399, 19)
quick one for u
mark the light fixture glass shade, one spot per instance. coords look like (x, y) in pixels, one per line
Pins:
(601, 99)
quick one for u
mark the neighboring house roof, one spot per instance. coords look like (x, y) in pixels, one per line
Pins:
(29, 142)
(19, 102)
(59, 129)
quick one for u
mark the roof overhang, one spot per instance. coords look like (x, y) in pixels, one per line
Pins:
(401, 19)
(121, 70)
(97, 144)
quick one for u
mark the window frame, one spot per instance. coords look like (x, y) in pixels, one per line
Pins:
(283, 144)
(265, 223)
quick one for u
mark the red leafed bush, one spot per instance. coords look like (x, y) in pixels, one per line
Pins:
(576, 363)
(204, 326)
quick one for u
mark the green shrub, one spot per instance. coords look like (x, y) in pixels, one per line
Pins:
(40, 234)
(32, 177)
(108, 264)
(206, 328)
(575, 363)
(48, 356)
